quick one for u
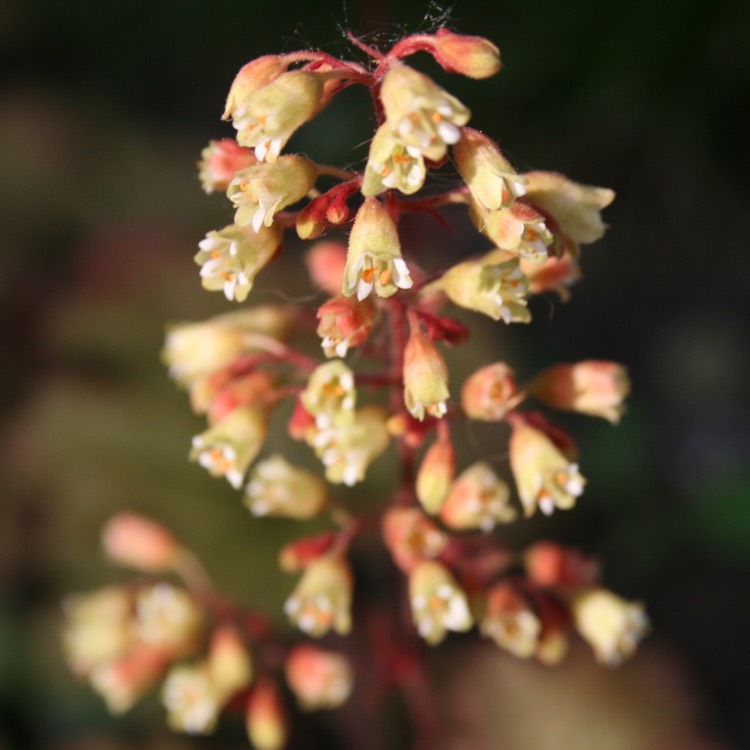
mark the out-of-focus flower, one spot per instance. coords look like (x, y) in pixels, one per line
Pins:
(494, 286)
(344, 322)
(322, 599)
(590, 387)
(438, 603)
(435, 474)
(318, 678)
(425, 377)
(221, 393)
(231, 258)
(220, 161)
(330, 392)
(262, 190)
(550, 564)
(490, 393)
(519, 229)
(296, 556)
(277, 488)
(478, 499)
(392, 164)
(411, 537)
(544, 476)
(423, 115)
(265, 718)
(554, 274)
(510, 621)
(326, 262)
(374, 257)
(191, 701)
(167, 618)
(612, 626)
(229, 447)
(138, 542)
(229, 666)
(491, 179)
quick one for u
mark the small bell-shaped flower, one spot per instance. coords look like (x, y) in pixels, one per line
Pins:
(191, 700)
(438, 603)
(229, 447)
(612, 626)
(166, 617)
(554, 275)
(392, 164)
(519, 229)
(277, 488)
(344, 322)
(318, 678)
(510, 621)
(544, 476)
(412, 537)
(478, 499)
(490, 393)
(322, 599)
(374, 257)
(220, 161)
(231, 258)
(261, 191)
(591, 387)
(420, 113)
(251, 77)
(330, 392)
(425, 376)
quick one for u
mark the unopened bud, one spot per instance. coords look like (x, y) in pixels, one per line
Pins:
(137, 542)
(472, 56)
(325, 263)
(265, 717)
(550, 564)
(252, 76)
(435, 475)
(229, 663)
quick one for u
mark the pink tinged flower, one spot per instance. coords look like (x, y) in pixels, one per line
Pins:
(262, 190)
(510, 621)
(268, 117)
(330, 392)
(221, 393)
(318, 678)
(488, 174)
(494, 286)
(138, 542)
(411, 537)
(551, 565)
(277, 488)
(436, 474)
(322, 599)
(374, 259)
(544, 476)
(611, 625)
(191, 700)
(554, 274)
(265, 717)
(425, 377)
(220, 161)
(438, 603)
(229, 447)
(591, 387)
(478, 499)
(472, 56)
(519, 229)
(490, 393)
(231, 258)
(344, 322)
(575, 208)
(251, 77)
(325, 263)
(228, 664)
(420, 113)
(124, 680)
(392, 164)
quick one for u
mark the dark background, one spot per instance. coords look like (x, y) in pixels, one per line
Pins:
(104, 108)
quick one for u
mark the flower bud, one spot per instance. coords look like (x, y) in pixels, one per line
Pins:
(478, 499)
(612, 626)
(229, 666)
(330, 392)
(435, 475)
(549, 564)
(138, 542)
(344, 322)
(276, 488)
(392, 164)
(591, 387)
(301, 425)
(472, 56)
(544, 476)
(437, 602)
(231, 258)
(251, 77)
(325, 263)
(322, 599)
(554, 640)
(491, 179)
(411, 537)
(318, 678)
(220, 161)
(490, 393)
(420, 113)
(265, 717)
(374, 257)
(260, 191)
(190, 698)
(296, 556)
(510, 621)
(425, 377)
(230, 446)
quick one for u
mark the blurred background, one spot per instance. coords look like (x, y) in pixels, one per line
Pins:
(104, 109)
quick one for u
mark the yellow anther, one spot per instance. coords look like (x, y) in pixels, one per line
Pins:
(367, 274)
(385, 277)
(244, 185)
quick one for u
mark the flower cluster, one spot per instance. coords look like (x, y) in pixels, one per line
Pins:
(438, 519)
